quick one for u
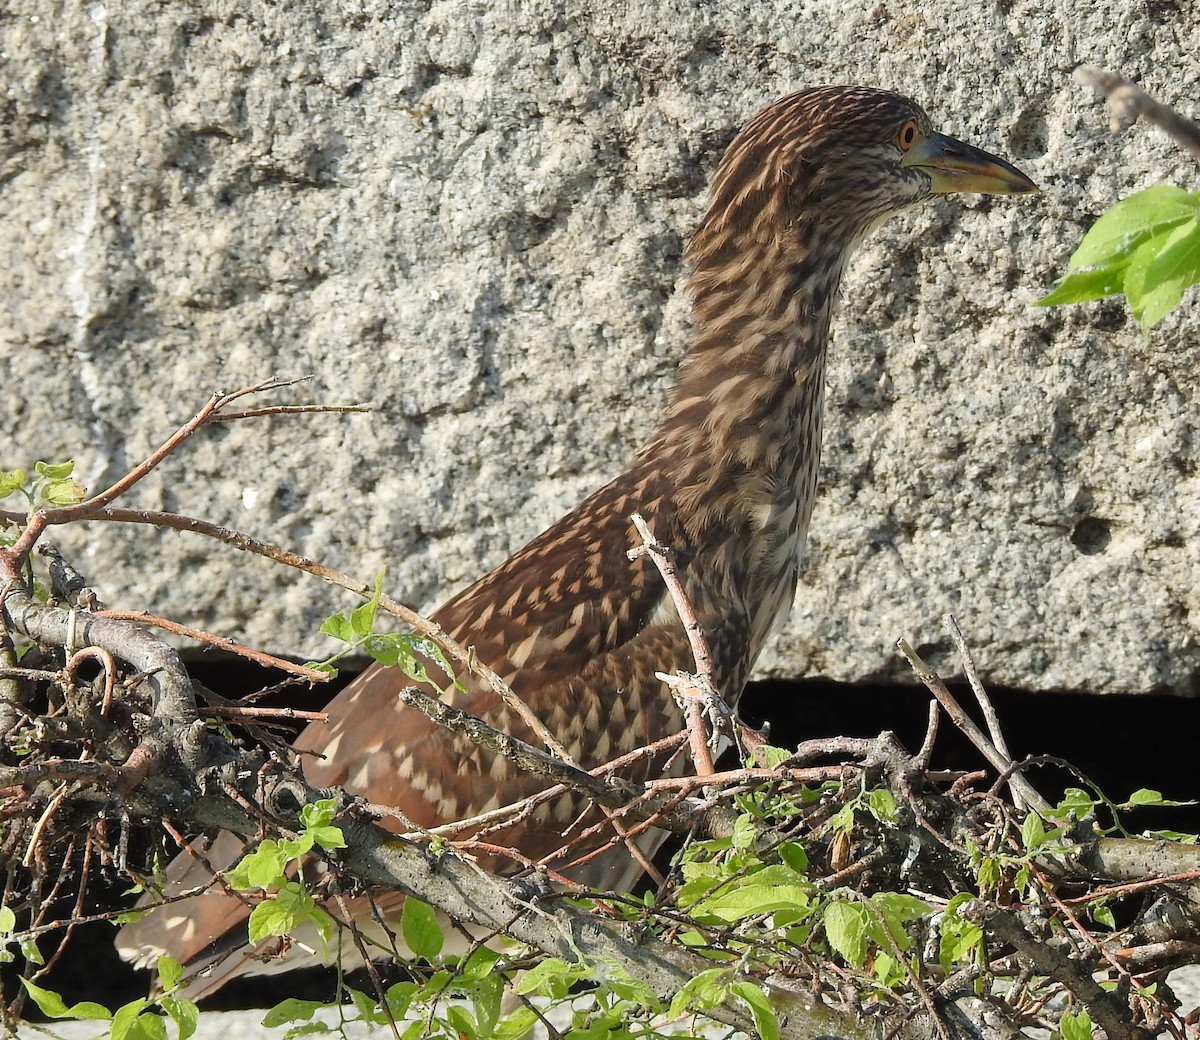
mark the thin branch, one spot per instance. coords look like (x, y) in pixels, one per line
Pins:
(1128, 101)
(257, 656)
(613, 792)
(696, 692)
(967, 726)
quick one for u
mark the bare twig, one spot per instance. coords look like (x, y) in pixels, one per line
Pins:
(967, 726)
(1128, 101)
(693, 692)
(257, 656)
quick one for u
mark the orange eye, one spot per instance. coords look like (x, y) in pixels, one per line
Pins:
(908, 135)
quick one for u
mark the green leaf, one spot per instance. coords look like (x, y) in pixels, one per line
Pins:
(8, 920)
(628, 988)
(170, 971)
(319, 813)
(901, 905)
(128, 1025)
(61, 493)
(794, 856)
(339, 627)
(293, 1010)
(184, 1014)
(751, 899)
(10, 481)
(745, 830)
(1081, 286)
(1146, 797)
(961, 940)
(54, 470)
(52, 1005)
(1104, 915)
(552, 978)
(291, 907)
(702, 992)
(1076, 1026)
(1161, 270)
(846, 929)
(516, 1026)
(262, 868)
(1144, 246)
(421, 930)
(760, 1007)
(1033, 832)
(1075, 802)
(1121, 230)
(882, 804)
(362, 619)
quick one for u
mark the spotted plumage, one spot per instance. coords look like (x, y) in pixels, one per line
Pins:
(728, 480)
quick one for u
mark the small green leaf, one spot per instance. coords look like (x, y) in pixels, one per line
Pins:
(744, 831)
(1081, 286)
(339, 627)
(8, 920)
(10, 481)
(1146, 797)
(1121, 230)
(1104, 915)
(1033, 832)
(184, 1014)
(1161, 270)
(293, 1010)
(129, 1023)
(1076, 1026)
(701, 992)
(170, 971)
(760, 1007)
(261, 868)
(362, 619)
(552, 978)
(421, 930)
(846, 929)
(54, 470)
(961, 940)
(882, 804)
(52, 1005)
(1075, 802)
(794, 856)
(290, 907)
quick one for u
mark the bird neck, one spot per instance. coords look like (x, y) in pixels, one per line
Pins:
(741, 441)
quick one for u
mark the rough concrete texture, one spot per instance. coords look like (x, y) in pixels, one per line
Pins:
(470, 216)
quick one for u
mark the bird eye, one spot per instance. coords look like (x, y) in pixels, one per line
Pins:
(907, 136)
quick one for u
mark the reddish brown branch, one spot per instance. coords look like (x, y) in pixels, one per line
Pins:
(224, 643)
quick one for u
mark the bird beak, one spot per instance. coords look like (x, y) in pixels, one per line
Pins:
(954, 166)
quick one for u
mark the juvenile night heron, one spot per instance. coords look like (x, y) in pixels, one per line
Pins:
(728, 480)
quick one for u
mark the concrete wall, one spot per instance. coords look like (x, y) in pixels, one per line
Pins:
(470, 217)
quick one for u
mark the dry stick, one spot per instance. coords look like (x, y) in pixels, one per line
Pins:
(964, 722)
(11, 559)
(613, 792)
(695, 693)
(1128, 101)
(223, 642)
(1020, 788)
(985, 702)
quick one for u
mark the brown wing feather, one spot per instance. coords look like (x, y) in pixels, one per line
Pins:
(578, 643)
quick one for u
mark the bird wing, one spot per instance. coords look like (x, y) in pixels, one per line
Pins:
(579, 647)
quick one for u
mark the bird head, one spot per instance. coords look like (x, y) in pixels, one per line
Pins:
(836, 162)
